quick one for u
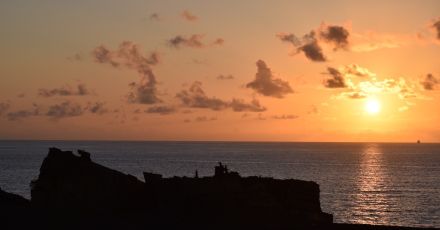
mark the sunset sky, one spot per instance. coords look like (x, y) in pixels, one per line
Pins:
(220, 70)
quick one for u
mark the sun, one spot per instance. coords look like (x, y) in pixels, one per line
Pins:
(372, 106)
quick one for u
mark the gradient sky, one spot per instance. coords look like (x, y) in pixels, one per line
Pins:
(220, 70)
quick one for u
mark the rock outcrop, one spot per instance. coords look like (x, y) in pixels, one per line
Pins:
(75, 183)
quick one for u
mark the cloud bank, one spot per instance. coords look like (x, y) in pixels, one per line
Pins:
(195, 97)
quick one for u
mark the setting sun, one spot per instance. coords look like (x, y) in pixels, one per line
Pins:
(372, 106)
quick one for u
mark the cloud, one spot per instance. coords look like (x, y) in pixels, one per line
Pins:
(97, 108)
(285, 117)
(130, 56)
(143, 92)
(313, 51)
(238, 105)
(266, 84)
(354, 95)
(225, 77)
(436, 26)
(23, 113)
(362, 83)
(64, 109)
(162, 110)
(337, 35)
(310, 44)
(195, 97)
(357, 70)
(79, 90)
(193, 41)
(430, 82)
(289, 38)
(336, 79)
(189, 16)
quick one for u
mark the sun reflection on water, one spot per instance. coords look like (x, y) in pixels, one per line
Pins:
(372, 184)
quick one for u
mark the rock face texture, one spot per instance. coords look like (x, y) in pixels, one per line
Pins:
(75, 183)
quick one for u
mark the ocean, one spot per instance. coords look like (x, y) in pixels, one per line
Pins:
(368, 183)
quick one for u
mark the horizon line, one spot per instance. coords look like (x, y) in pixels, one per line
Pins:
(232, 141)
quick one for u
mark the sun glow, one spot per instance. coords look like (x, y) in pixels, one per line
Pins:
(372, 106)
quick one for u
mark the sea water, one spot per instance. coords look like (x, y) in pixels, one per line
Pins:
(368, 183)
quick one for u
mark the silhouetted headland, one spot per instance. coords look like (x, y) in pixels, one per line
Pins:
(72, 192)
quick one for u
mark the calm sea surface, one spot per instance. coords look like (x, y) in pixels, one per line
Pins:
(392, 184)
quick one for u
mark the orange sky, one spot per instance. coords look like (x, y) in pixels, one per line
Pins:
(197, 70)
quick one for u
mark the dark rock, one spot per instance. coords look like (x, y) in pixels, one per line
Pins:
(75, 183)
(8, 200)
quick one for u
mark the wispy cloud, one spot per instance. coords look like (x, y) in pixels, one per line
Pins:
(129, 55)
(78, 90)
(161, 109)
(195, 97)
(188, 16)
(193, 41)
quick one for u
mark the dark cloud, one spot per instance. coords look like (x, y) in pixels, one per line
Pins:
(97, 108)
(285, 117)
(194, 41)
(225, 77)
(79, 90)
(436, 26)
(64, 109)
(336, 79)
(143, 92)
(238, 105)
(195, 97)
(313, 51)
(289, 38)
(23, 113)
(430, 82)
(130, 56)
(4, 106)
(189, 16)
(266, 84)
(309, 44)
(162, 110)
(337, 35)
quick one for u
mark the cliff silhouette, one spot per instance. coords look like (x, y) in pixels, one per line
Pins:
(73, 192)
